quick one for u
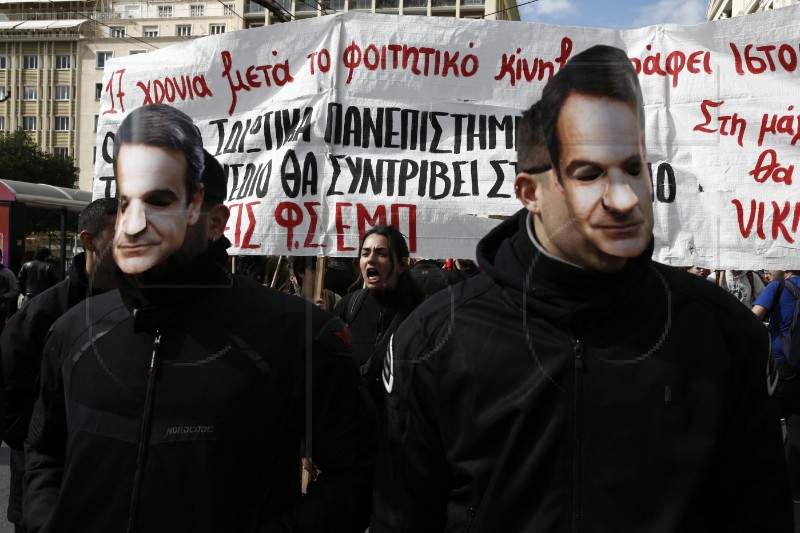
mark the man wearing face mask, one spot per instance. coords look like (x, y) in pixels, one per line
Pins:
(179, 402)
(578, 385)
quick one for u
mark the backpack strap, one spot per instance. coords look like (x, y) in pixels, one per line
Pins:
(749, 275)
(794, 290)
(354, 305)
(775, 309)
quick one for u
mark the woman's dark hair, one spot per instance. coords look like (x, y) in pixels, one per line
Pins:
(411, 295)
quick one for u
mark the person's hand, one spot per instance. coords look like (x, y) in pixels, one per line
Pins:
(321, 304)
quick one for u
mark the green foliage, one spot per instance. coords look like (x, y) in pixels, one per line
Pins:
(21, 159)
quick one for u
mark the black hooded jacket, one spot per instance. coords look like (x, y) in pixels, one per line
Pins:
(181, 407)
(543, 397)
(21, 344)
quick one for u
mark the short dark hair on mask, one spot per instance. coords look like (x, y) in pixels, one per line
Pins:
(95, 217)
(601, 71)
(533, 156)
(165, 127)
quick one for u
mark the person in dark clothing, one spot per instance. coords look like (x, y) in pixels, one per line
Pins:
(577, 385)
(462, 269)
(304, 269)
(431, 277)
(179, 402)
(778, 303)
(9, 290)
(340, 275)
(372, 314)
(23, 341)
(38, 275)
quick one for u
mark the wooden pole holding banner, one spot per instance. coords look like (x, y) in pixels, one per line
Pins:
(277, 269)
(319, 279)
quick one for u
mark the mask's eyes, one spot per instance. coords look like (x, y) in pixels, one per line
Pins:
(586, 173)
(634, 166)
(161, 198)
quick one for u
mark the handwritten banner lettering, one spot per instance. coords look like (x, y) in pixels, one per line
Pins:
(328, 126)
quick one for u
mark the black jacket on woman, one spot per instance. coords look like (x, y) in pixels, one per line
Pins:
(372, 316)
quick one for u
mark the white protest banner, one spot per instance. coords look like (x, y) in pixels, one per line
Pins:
(328, 126)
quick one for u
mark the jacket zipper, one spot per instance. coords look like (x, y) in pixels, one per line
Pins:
(470, 517)
(578, 350)
(144, 434)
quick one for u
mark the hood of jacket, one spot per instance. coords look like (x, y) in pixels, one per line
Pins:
(562, 291)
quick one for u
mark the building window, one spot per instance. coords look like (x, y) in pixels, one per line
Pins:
(102, 57)
(30, 92)
(62, 92)
(30, 62)
(62, 123)
(216, 29)
(2, 123)
(98, 91)
(118, 32)
(62, 62)
(2, 62)
(183, 30)
(62, 152)
(2, 91)
(252, 7)
(164, 12)
(196, 10)
(132, 11)
(134, 52)
(29, 123)
(94, 154)
(149, 31)
(96, 117)
(228, 10)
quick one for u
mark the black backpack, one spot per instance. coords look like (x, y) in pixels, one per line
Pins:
(790, 343)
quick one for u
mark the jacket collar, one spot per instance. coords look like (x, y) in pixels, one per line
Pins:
(174, 300)
(559, 289)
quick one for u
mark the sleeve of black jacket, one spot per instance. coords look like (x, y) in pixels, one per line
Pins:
(749, 489)
(343, 422)
(45, 447)
(21, 345)
(412, 474)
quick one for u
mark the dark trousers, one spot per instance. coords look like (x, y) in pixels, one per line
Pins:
(788, 396)
(17, 467)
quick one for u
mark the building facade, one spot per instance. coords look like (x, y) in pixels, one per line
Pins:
(52, 52)
(723, 9)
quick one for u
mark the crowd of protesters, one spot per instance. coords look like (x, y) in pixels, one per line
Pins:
(563, 380)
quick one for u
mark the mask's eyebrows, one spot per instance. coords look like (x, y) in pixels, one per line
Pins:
(580, 163)
(161, 196)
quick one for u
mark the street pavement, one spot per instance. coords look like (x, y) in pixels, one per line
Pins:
(5, 525)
